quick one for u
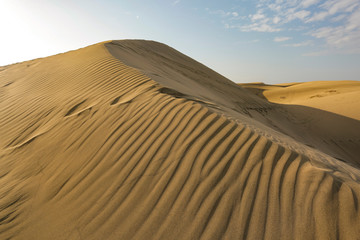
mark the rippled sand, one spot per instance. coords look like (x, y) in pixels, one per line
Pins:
(134, 140)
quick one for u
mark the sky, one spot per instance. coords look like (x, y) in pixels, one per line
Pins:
(270, 41)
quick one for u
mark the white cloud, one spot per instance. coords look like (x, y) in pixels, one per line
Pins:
(291, 14)
(308, 3)
(257, 16)
(354, 21)
(301, 14)
(338, 18)
(276, 20)
(258, 28)
(335, 24)
(274, 7)
(332, 7)
(318, 17)
(281, 39)
(223, 13)
(344, 38)
(335, 6)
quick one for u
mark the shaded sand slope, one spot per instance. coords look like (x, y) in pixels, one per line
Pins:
(93, 148)
(323, 115)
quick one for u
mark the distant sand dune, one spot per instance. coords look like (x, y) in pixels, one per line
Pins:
(340, 97)
(133, 140)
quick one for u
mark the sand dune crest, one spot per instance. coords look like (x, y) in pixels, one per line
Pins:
(133, 140)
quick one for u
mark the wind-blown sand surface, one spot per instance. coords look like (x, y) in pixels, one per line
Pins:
(133, 140)
(340, 97)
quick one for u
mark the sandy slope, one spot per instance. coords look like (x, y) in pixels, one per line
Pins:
(133, 140)
(324, 115)
(340, 97)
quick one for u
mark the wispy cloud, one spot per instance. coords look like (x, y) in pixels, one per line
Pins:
(276, 19)
(255, 27)
(331, 25)
(343, 38)
(257, 16)
(176, 2)
(317, 17)
(281, 39)
(301, 14)
(223, 13)
(308, 3)
(332, 7)
(338, 18)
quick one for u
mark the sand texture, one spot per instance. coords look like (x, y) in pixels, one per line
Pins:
(340, 97)
(133, 140)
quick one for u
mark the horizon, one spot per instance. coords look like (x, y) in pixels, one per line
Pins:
(245, 41)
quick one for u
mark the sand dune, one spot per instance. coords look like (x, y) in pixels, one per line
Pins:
(133, 140)
(323, 115)
(340, 97)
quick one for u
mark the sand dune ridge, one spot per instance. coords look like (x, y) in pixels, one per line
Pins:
(133, 140)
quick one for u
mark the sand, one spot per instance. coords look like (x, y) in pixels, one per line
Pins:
(323, 115)
(340, 97)
(133, 140)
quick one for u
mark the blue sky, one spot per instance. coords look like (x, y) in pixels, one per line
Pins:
(270, 41)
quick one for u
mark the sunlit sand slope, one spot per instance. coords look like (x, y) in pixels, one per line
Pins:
(93, 147)
(340, 97)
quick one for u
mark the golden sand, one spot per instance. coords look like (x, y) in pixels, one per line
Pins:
(134, 140)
